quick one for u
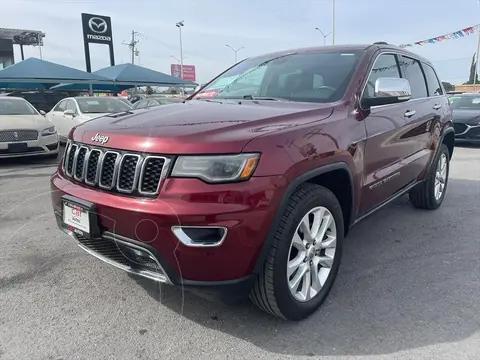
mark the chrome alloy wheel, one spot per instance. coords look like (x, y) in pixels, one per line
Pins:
(311, 254)
(441, 176)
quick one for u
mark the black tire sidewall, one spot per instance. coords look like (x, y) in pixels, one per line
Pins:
(436, 203)
(291, 308)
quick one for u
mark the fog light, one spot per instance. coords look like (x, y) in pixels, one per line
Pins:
(200, 236)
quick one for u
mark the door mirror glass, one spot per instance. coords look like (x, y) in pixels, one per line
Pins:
(69, 113)
(389, 91)
(42, 112)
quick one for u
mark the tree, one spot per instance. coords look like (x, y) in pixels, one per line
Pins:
(448, 87)
(149, 90)
(473, 72)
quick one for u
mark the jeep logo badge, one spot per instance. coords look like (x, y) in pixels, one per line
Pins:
(100, 139)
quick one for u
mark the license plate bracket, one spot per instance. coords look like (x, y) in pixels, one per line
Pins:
(17, 148)
(80, 217)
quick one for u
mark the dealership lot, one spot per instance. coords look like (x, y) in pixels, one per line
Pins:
(408, 287)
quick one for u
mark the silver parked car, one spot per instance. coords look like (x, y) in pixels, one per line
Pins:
(24, 131)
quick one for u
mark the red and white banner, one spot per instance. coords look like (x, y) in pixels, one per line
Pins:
(188, 72)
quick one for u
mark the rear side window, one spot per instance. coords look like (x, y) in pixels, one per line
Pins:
(434, 87)
(386, 66)
(414, 75)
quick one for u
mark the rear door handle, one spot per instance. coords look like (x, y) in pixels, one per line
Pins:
(437, 106)
(409, 113)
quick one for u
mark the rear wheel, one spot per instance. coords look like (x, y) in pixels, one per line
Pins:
(303, 261)
(430, 194)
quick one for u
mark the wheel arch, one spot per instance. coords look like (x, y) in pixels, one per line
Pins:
(327, 176)
(448, 139)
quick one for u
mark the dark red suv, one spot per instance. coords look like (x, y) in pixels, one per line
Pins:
(249, 186)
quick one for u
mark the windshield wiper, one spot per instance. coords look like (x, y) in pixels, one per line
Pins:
(122, 113)
(250, 97)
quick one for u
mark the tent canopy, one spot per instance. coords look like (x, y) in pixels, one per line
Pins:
(125, 76)
(40, 72)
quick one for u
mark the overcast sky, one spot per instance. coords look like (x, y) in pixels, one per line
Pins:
(260, 26)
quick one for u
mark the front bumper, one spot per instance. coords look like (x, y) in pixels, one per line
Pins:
(44, 145)
(467, 133)
(246, 210)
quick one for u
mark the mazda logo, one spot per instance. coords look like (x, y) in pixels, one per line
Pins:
(98, 25)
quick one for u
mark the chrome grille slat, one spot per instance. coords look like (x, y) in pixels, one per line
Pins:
(79, 163)
(93, 167)
(109, 169)
(72, 150)
(130, 165)
(115, 170)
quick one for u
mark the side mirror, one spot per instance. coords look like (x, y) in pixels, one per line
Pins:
(69, 113)
(42, 112)
(389, 91)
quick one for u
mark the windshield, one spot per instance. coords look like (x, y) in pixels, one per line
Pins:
(466, 102)
(101, 105)
(308, 77)
(16, 107)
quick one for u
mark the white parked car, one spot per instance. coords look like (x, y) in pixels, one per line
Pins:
(24, 131)
(73, 111)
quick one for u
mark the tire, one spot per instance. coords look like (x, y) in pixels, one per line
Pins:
(271, 291)
(424, 196)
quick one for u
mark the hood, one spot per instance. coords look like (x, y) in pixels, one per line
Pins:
(198, 126)
(24, 122)
(462, 116)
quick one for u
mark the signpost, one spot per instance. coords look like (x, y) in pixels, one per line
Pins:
(97, 29)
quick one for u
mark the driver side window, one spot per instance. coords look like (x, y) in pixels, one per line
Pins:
(386, 66)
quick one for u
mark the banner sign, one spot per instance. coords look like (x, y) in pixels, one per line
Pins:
(23, 37)
(189, 73)
(454, 35)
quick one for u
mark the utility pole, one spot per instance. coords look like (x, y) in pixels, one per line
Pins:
(133, 45)
(324, 36)
(235, 51)
(476, 63)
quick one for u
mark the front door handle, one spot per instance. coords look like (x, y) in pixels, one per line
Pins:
(409, 113)
(437, 106)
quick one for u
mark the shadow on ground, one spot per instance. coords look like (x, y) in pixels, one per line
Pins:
(31, 162)
(409, 278)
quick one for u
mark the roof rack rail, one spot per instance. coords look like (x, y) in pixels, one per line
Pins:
(380, 43)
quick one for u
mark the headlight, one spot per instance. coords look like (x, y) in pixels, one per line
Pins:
(49, 131)
(216, 168)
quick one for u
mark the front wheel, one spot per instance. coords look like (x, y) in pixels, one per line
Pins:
(304, 258)
(430, 194)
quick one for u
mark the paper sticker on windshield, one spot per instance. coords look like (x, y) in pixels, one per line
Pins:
(207, 94)
(92, 102)
(476, 101)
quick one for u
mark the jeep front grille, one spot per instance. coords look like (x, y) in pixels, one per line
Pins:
(115, 170)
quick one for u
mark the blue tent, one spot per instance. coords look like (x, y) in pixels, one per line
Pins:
(41, 74)
(129, 75)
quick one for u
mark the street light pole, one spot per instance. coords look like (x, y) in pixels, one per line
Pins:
(235, 51)
(180, 24)
(324, 36)
(333, 22)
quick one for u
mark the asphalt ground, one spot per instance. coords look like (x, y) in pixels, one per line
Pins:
(408, 288)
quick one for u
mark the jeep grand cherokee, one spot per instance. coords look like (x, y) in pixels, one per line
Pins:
(250, 185)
